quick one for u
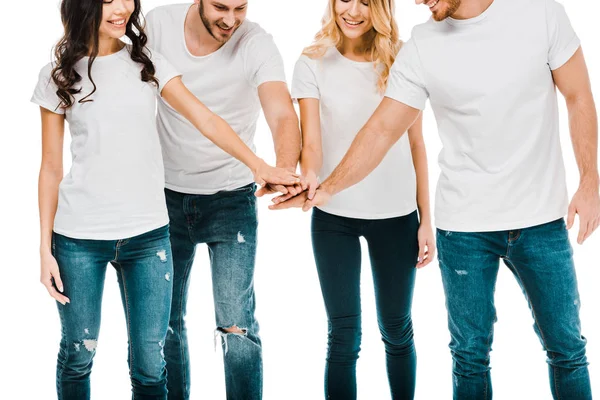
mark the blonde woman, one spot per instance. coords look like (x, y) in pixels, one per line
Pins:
(338, 83)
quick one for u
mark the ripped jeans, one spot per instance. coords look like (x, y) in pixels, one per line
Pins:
(227, 222)
(541, 259)
(144, 270)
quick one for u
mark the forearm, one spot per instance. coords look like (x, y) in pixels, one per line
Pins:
(311, 159)
(366, 152)
(286, 139)
(48, 184)
(220, 133)
(583, 125)
(419, 156)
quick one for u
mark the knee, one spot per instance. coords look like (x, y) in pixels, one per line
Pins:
(571, 357)
(238, 339)
(471, 355)
(148, 364)
(397, 335)
(76, 357)
(344, 338)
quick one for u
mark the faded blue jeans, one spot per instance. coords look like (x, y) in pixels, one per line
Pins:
(227, 223)
(541, 259)
(144, 270)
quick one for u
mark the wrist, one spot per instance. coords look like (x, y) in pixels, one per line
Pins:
(327, 187)
(589, 181)
(255, 163)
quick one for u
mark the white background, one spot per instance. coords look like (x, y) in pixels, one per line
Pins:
(290, 308)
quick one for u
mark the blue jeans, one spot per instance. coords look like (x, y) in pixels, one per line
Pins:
(541, 259)
(144, 270)
(393, 251)
(227, 223)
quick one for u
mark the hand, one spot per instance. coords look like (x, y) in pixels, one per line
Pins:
(50, 278)
(292, 202)
(426, 245)
(308, 182)
(585, 203)
(265, 174)
(272, 188)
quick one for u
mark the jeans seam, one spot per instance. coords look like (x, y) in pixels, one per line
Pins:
(127, 315)
(62, 368)
(180, 327)
(537, 324)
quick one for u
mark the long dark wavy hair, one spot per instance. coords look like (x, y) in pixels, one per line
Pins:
(81, 20)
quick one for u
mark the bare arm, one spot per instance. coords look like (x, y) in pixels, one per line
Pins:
(573, 81)
(419, 156)
(283, 122)
(384, 128)
(51, 174)
(220, 133)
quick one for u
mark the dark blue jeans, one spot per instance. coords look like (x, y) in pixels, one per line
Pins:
(541, 259)
(144, 270)
(393, 250)
(227, 223)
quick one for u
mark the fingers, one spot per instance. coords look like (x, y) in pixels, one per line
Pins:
(571, 216)
(283, 177)
(262, 191)
(303, 183)
(583, 229)
(282, 198)
(294, 201)
(421, 254)
(280, 188)
(312, 189)
(308, 204)
(47, 282)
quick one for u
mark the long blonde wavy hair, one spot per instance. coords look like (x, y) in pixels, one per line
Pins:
(385, 40)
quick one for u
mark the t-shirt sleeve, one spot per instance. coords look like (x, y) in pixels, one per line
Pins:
(165, 71)
(563, 41)
(304, 82)
(263, 62)
(405, 83)
(44, 94)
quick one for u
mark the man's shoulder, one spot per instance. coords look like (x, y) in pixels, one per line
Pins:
(250, 31)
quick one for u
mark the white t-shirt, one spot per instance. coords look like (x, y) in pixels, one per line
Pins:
(348, 96)
(490, 85)
(227, 82)
(115, 188)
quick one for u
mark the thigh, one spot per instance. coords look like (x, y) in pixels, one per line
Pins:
(230, 232)
(182, 247)
(542, 261)
(469, 265)
(393, 251)
(82, 265)
(145, 270)
(337, 252)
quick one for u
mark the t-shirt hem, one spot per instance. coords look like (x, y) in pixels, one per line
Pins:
(297, 96)
(358, 215)
(271, 79)
(187, 190)
(125, 234)
(47, 106)
(565, 55)
(161, 85)
(409, 101)
(448, 225)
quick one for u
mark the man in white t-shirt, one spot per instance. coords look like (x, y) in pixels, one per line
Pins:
(233, 66)
(489, 69)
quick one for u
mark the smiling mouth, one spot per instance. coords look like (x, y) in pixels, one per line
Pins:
(432, 4)
(117, 22)
(352, 23)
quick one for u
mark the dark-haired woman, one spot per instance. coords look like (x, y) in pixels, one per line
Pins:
(110, 208)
